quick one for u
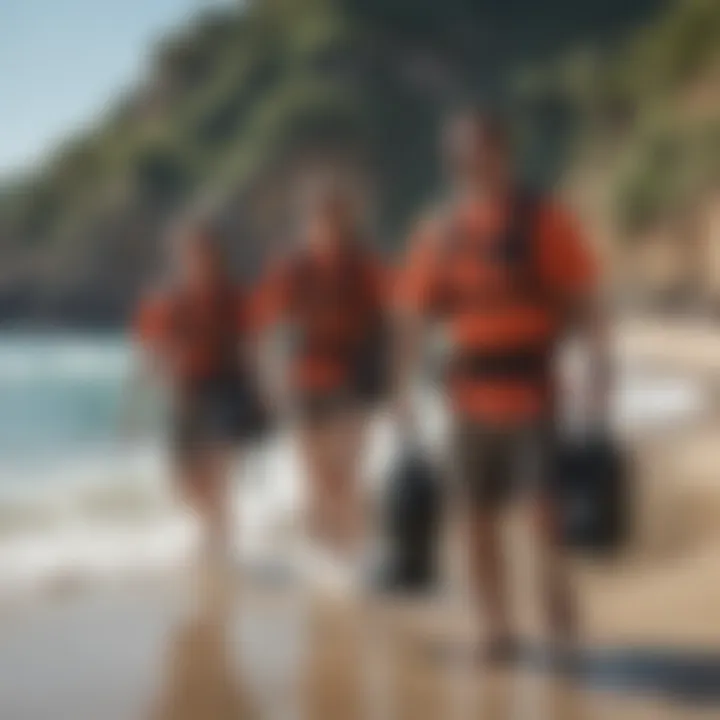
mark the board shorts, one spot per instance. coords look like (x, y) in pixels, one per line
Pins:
(366, 389)
(493, 465)
(317, 408)
(220, 411)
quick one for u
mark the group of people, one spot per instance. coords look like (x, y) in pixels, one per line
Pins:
(502, 273)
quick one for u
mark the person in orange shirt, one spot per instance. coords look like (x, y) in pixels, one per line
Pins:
(505, 274)
(193, 332)
(327, 293)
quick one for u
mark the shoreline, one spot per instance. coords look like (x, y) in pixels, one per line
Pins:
(177, 651)
(148, 648)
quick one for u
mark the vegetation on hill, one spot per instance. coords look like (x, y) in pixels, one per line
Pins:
(241, 96)
(652, 108)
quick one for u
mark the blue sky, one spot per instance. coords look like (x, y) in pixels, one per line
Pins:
(63, 61)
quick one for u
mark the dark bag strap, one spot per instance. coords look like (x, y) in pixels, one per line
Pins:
(224, 322)
(303, 277)
(517, 246)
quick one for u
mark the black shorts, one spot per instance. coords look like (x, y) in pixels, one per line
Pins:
(317, 408)
(365, 390)
(215, 412)
(492, 465)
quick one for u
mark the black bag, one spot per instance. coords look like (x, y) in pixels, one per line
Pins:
(253, 420)
(593, 491)
(412, 521)
(373, 365)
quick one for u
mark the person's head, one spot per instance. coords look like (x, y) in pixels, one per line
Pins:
(196, 254)
(329, 214)
(477, 148)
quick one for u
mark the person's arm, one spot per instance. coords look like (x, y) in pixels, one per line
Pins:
(246, 333)
(411, 307)
(593, 326)
(267, 309)
(147, 362)
(408, 332)
(573, 272)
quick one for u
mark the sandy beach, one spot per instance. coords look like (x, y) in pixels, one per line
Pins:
(147, 654)
(194, 648)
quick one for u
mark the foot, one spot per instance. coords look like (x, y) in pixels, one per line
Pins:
(500, 650)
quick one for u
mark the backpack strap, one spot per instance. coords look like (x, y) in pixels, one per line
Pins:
(303, 284)
(517, 246)
(223, 331)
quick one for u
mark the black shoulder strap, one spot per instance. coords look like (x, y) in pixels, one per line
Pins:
(303, 280)
(226, 309)
(518, 246)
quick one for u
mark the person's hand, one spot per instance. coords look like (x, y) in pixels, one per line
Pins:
(601, 373)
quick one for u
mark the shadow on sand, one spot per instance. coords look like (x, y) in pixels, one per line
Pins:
(683, 675)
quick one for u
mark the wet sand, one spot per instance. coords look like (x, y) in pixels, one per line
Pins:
(152, 655)
(204, 648)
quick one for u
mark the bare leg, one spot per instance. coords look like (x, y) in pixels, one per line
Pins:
(331, 452)
(488, 572)
(314, 450)
(218, 502)
(558, 594)
(205, 488)
(348, 510)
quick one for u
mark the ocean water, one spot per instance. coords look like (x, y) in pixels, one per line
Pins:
(85, 485)
(85, 489)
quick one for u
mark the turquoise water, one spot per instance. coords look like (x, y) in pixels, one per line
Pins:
(78, 495)
(61, 394)
(69, 398)
(85, 483)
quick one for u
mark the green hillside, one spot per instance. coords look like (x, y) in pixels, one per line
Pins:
(649, 107)
(243, 96)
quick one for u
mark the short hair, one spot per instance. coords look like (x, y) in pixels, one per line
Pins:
(193, 227)
(328, 191)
